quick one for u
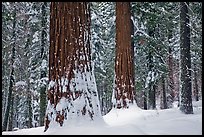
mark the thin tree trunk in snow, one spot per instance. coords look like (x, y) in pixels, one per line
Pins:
(145, 100)
(164, 93)
(72, 92)
(11, 81)
(185, 56)
(196, 94)
(151, 84)
(11, 116)
(43, 71)
(29, 103)
(171, 85)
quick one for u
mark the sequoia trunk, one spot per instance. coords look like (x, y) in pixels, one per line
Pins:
(72, 90)
(124, 71)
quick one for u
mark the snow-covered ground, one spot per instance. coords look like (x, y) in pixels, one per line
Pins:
(132, 121)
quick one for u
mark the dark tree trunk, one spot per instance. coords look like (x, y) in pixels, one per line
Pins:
(28, 95)
(43, 71)
(201, 78)
(151, 104)
(196, 94)
(11, 81)
(164, 93)
(11, 116)
(151, 84)
(145, 100)
(171, 76)
(30, 113)
(185, 56)
(71, 79)
(154, 96)
(124, 74)
(29, 92)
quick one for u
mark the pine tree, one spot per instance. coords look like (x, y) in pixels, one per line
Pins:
(72, 92)
(11, 80)
(27, 62)
(195, 13)
(43, 70)
(185, 56)
(123, 92)
(164, 99)
(103, 45)
(156, 29)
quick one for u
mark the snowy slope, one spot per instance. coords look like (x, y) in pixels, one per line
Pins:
(132, 121)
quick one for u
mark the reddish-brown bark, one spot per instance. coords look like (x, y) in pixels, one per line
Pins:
(124, 79)
(69, 52)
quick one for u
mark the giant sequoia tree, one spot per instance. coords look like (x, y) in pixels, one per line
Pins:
(72, 90)
(123, 92)
(186, 91)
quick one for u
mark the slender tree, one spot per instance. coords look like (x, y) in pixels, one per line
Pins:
(43, 71)
(11, 116)
(185, 56)
(29, 105)
(195, 14)
(11, 81)
(123, 92)
(164, 100)
(171, 85)
(103, 41)
(150, 80)
(72, 92)
(196, 92)
(151, 102)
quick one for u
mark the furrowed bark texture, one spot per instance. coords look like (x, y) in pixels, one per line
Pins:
(72, 89)
(124, 73)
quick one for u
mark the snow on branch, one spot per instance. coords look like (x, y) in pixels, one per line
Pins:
(20, 83)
